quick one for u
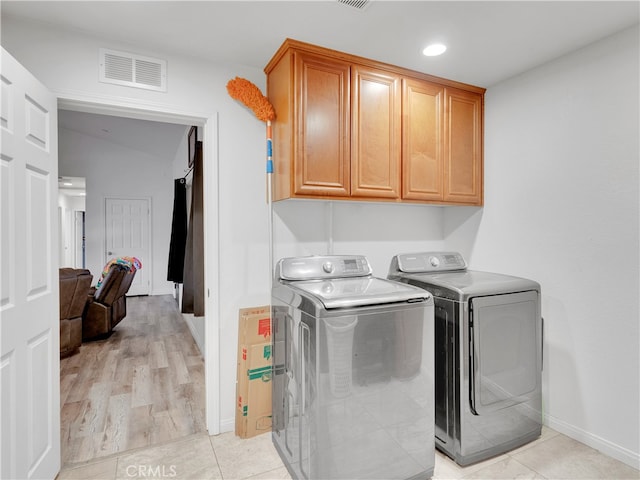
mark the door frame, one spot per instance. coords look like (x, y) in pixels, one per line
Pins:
(79, 239)
(115, 106)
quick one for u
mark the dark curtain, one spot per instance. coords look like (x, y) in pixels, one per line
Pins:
(193, 290)
(175, 271)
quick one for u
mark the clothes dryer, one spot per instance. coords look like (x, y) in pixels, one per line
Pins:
(353, 372)
(488, 354)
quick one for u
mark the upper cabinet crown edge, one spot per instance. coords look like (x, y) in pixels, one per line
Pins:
(352, 128)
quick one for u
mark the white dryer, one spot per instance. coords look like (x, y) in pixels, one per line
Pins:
(488, 354)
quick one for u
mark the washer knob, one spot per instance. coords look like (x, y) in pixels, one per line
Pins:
(327, 267)
(327, 287)
(434, 261)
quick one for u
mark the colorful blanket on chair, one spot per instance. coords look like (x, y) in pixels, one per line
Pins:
(132, 263)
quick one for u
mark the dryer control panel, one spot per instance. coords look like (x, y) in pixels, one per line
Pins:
(430, 262)
(322, 267)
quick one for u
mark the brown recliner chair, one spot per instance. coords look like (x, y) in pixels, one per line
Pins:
(107, 304)
(74, 288)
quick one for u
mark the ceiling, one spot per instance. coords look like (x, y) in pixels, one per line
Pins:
(160, 140)
(72, 186)
(157, 139)
(487, 41)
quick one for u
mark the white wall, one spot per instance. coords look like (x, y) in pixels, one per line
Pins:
(376, 230)
(113, 170)
(562, 207)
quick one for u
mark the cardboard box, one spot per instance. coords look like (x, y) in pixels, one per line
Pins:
(253, 387)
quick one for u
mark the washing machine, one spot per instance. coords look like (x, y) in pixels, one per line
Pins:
(488, 354)
(353, 371)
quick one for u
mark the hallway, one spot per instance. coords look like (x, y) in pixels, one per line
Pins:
(142, 386)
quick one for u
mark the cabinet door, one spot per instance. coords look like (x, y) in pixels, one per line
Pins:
(375, 133)
(463, 147)
(322, 120)
(422, 116)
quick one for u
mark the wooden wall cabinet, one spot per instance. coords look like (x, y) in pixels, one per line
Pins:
(352, 128)
(441, 144)
(375, 133)
(310, 94)
(463, 179)
(422, 137)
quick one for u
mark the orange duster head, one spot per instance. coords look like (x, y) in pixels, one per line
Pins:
(246, 92)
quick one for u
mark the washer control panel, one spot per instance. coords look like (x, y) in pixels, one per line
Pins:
(322, 267)
(430, 262)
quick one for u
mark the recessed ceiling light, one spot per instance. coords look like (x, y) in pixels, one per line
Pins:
(434, 50)
(68, 184)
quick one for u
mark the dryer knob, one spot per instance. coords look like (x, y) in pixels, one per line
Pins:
(328, 267)
(434, 261)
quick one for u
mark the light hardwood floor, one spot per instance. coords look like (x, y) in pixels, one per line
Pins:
(142, 386)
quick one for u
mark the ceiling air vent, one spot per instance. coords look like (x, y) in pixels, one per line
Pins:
(357, 4)
(133, 70)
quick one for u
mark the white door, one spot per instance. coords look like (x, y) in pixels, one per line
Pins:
(29, 302)
(127, 235)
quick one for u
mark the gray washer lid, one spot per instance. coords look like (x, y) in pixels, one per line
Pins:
(360, 291)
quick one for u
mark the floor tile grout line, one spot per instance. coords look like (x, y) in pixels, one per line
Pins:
(262, 473)
(133, 451)
(115, 474)
(528, 467)
(215, 455)
(532, 444)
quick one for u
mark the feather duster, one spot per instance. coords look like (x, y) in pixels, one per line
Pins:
(248, 93)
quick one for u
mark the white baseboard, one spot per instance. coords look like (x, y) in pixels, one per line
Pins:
(605, 446)
(228, 425)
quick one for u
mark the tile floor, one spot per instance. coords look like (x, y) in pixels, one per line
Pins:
(200, 457)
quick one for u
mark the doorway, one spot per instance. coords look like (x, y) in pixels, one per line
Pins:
(127, 225)
(209, 128)
(71, 221)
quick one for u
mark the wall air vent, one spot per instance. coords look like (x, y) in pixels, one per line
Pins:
(133, 70)
(357, 4)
